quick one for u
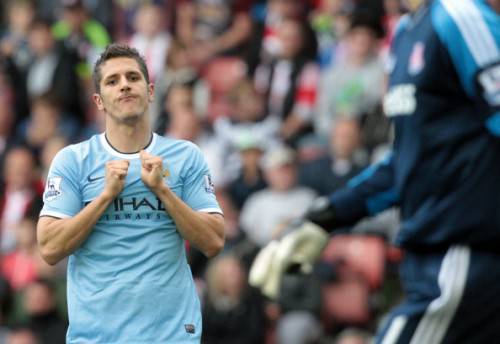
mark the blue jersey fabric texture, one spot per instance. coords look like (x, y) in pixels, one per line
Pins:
(444, 99)
(130, 282)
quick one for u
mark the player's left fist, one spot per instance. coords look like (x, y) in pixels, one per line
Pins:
(151, 170)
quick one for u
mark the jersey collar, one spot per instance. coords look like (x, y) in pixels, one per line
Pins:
(128, 156)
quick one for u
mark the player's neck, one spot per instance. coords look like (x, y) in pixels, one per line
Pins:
(129, 139)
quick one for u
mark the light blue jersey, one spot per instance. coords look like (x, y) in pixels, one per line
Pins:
(130, 282)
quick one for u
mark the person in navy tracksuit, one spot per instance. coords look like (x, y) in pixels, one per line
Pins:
(443, 172)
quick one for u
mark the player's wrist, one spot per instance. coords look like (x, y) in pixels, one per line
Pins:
(160, 189)
(107, 196)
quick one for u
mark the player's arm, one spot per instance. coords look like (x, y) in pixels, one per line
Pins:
(59, 237)
(202, 229)
(367, 194)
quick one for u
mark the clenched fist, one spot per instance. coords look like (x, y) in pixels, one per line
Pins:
(116, 171)
(151, 170)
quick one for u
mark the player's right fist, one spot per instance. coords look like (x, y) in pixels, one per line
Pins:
(116, 171)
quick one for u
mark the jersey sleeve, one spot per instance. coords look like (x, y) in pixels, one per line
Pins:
(470, 32)
(62, 196)
(199, 190)
(368, 193)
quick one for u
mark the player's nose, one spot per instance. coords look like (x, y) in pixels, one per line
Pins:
(124, 84)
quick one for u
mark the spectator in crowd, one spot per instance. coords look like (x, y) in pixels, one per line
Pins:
(348, 88)
(151, 38)
(7, 118)
(125, 13)
(329, 21)
(22, 335)
(20, 196)
(213, 27)
(250, 178)
(247, 120)
(267, 212)
(20, 266)
(81, 33)
(232, 312)
(14, 39)
(184, 123)
(265, 44)
(15, 51)
(289, 82)
(45, 122)
(53, 71)
(178, 70)
(43, 316)
(345, 159)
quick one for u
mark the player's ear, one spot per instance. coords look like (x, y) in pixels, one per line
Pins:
(151, 92)
(96, 97)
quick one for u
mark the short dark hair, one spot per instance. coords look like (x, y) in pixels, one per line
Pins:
(114, 51)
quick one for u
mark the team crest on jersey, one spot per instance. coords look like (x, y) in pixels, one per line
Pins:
(417, 60)
(209, 185)
(53, 188)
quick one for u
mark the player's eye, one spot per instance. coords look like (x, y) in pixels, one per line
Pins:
(111, 82)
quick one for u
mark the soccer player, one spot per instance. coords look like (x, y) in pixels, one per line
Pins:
(443, 172)
(120, 205)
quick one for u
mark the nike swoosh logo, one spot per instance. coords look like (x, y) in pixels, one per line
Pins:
(90, 179)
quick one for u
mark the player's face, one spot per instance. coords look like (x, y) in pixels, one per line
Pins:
(125, 95)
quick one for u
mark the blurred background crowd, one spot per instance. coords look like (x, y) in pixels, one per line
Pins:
(284, 99)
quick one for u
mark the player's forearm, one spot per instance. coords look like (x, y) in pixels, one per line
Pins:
(204, 230)
(58, 239)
